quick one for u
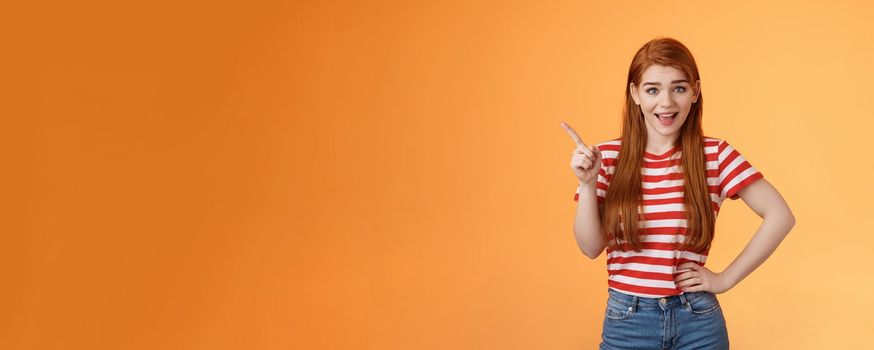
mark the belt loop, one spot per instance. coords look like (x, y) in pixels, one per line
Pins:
(683, 299)
(634, 303)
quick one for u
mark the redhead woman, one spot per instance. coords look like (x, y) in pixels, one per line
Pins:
(651, 198)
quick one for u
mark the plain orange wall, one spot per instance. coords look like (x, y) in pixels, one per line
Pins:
(392, 175)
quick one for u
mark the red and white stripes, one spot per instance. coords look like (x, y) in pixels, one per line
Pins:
(650, 272)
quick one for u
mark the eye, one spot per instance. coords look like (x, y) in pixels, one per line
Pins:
(681, 87)
(651, 89)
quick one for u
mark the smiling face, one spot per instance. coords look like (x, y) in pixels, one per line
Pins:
(665, 97)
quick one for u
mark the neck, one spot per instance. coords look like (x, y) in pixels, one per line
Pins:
(658, 144)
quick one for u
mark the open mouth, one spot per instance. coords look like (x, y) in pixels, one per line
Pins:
(666, 116)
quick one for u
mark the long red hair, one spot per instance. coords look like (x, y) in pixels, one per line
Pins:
(623, 203)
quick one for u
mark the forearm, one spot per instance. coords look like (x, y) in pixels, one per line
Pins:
(761, 246)
(587, 223)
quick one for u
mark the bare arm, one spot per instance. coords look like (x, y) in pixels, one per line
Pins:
(763, 199)
(587, 223)
(585, 163)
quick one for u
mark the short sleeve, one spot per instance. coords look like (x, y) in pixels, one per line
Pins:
(601, 190)
(735, 172)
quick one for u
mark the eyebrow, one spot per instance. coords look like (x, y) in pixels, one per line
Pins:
(673, 82)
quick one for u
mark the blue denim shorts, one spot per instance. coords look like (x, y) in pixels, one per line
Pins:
(692, 320)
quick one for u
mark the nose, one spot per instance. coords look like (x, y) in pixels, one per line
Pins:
(666, 100)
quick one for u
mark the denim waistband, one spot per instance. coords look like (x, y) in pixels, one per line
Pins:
(637, 302)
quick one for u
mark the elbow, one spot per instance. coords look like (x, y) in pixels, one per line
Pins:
(589, 252)
(594, 252)
(786, 218)
(589, 242)
(789, 219)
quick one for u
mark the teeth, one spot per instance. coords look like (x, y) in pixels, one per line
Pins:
(668, 116)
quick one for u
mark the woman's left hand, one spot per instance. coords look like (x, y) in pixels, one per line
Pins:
(699, 278)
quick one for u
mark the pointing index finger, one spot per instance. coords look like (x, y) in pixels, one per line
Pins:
(574, 135)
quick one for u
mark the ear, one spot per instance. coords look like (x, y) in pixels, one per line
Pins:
(697, 90)
(633, 90)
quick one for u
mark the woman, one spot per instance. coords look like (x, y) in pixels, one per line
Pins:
(665, 181)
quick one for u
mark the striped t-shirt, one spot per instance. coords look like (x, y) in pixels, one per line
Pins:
(650, 273)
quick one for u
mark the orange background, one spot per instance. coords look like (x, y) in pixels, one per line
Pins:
(391, 175)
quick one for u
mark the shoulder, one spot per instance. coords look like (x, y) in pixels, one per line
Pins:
(610, 143)
(714, 145)
(710, 141)
(609, 148)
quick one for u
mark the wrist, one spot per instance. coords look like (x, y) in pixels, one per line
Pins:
(592, 186)
(729, 280)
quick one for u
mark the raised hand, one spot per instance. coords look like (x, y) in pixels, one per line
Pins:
(585, 160)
